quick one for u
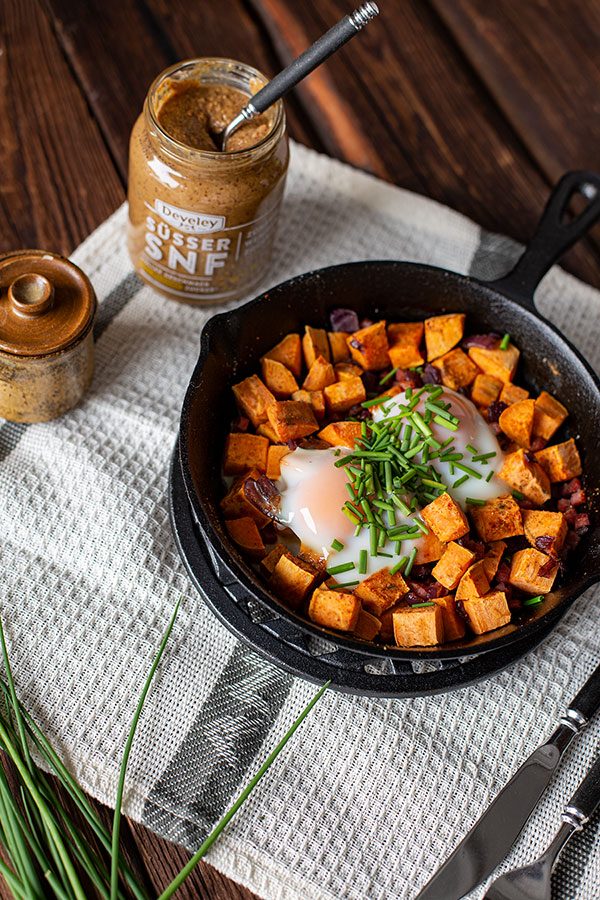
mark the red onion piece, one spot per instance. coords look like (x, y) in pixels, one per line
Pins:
(343, 320)
(487, 341)
(431, 375)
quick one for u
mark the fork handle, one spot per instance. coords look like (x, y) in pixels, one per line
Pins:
(585, 800)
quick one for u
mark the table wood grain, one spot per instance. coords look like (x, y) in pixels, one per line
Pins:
(480, 106)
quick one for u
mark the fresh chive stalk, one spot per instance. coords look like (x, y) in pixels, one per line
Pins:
(343, 567)
(505, 342)
(337, 545)
(533, 601)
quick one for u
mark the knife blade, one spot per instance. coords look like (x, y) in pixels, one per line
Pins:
(492, 836)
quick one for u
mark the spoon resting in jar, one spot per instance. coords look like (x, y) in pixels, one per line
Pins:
(307, 62)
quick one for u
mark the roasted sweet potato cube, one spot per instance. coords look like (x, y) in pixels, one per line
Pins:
(316, 399)
(561, 461)
(320, 374)
(369, 347)
(429, 549)
(313, 558)
(368, 626)
(533, 571)
(492, 558)
(498, 519)
(516, 421)
(501, 364)
(243, 452)
(512, 393)
(487, 613)
(244, 532)
(442, 333)
(404, 340)
(275, 454)
(278, 378)
(474, 582)
(288, 352)
(341, 434)
(422, 627)
(485, 389)
(527, 477)
(339, 346)
(292, 580)
(381, 590)
(386, 632)
(254, 399)
(334, 609)
(266, 430)
(456, 369)
(454, 625)
(237, 503)
(551, 526)
(452, 565)
(445, 518)
(314, 344)
(269, 562)
(292, 419)
(549, 416)
(343, 395)
(347, 371)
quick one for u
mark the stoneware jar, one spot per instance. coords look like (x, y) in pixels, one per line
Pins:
(47, 310)
(202, 222)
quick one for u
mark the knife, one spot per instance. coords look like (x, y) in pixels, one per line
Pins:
(492, 836)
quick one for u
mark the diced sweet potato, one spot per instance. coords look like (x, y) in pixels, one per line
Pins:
(316, 399)
(369, 347)
(245, 534)
(314, 344)
(485, 389)
(429, 549)
(498, 519)
(552, 526)
(445, 518)
(549, 416)
(442, 333)
(386, 632)
(527, 477)
(516, 421)
(421, 627)
(561, 461)
(343, 395)
(346, 371)
(532, 571)
(453, 565)
(501, 364)
(404, 344)
(237, 503)
(272, 558)
(334, 609)
(454, 625)
(487, 613)
(292, 419)
(381, 590)
(288, 352)
(492, 558)
(320, 374)
(456, 369)
(266, 430)
(275, 454)
(367, 627)
(243, 452)
(339, 346)
(278, 378)
(292, 580)
(254, 399)
(341, 434)
(314, 559)
(512, 393)
(474, 582)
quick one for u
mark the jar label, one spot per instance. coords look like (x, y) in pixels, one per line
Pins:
(194, 254)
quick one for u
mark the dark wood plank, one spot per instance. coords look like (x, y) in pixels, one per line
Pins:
(58, 181)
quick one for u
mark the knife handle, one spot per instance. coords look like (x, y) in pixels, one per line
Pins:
(587, 701)
(585, 800)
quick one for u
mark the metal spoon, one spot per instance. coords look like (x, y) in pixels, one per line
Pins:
(322, 49)
(532, 882)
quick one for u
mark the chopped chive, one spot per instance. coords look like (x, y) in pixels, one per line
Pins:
(382, 504)
(367, 509)
(504, 342)
(346, 584)
(414, 450)
(471, 448)
(389, 375)
(460, 481)
(420, 423)
(404, 509)
(435, 484)
(381, 553)
(450, 457)
(489, 475)
(343, 567)
(421, 605)
(362, 562)
(411, 561)
(342, 462)
(358, 529)
(518, 495)
(373, 540)
(421, 526)
(481, 457)
(468, 470)
(376, 401)
(337, 545)
(473, 501)
(438, 411)
(445, 424)
(431, 441)
(532, 601)
(350, 490)
(387, 467)
(354, 519)
(399, 565)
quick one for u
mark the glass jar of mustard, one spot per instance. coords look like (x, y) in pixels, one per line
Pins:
(47, 310)
(202, 222)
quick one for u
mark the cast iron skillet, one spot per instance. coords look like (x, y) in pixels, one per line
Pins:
(232, 343)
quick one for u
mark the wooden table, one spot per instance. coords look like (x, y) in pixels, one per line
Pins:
(481, 106)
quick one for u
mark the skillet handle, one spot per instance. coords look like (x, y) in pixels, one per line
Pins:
(554, 235)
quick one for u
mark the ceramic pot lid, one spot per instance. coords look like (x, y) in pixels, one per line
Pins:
(46, 303)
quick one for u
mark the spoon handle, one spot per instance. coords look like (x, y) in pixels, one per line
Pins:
(322, 49)
(586, 798)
